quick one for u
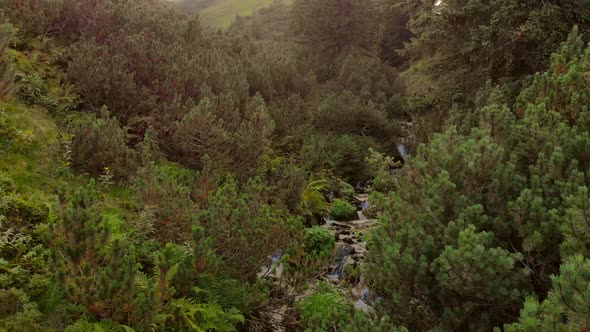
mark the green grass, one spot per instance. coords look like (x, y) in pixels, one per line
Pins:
(35, 159)
(221, 13)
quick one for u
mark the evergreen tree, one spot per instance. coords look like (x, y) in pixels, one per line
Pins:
(231, 136)
(99, 146)
(567, 305)
(246, 231)
(501, 180)
(93, 274)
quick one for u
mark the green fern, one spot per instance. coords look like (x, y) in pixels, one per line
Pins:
(313, 201)
(229, 293)
(187, 315)
(102, 326)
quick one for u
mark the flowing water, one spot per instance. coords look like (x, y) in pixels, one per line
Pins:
(344, 272)
(351, 248)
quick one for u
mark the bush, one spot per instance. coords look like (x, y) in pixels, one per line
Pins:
(344, 155)
(380, 167)
(318, 240)
(33, 90)
(340, 188)
(318, 310)
(358, 321)
(17, 313)
(165, 195)
(245, 230)
(99, 147)
(343, 210)
(23, 210)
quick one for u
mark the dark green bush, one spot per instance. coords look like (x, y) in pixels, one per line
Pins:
(23, 210)
(343, 210)
(99, 147)
(164, 192)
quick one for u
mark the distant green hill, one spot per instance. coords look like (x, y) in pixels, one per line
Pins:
(220, 13)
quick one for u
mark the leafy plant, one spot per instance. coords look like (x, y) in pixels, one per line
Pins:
(320, 309)
(102, 326)
(187, 315)
(318, 240)
(17, 312)
(313, 203)
(33, 90)
(343, 210)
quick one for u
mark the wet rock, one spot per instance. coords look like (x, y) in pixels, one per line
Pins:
(358, 257)
(340, 225)
(346, 239)
(360, 291)
(361, 201)
(362, 306)
(348, 262)
(275, 271)
(349, 271)
(343, 250)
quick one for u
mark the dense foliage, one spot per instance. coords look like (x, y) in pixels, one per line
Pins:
(490, 210)
(158, 174)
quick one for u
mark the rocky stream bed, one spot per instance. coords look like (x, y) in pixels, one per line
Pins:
(344, 271)
(351, 248)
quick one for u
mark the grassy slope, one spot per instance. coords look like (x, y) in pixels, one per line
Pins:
(222, 12)
(34, 162)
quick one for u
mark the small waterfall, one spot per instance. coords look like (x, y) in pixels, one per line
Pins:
(329, 221)
(365, 205)
(402, 150)
(343, 253)
(361, 216)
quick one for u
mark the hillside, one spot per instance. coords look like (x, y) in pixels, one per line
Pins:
(221, 13)
(325, 166)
